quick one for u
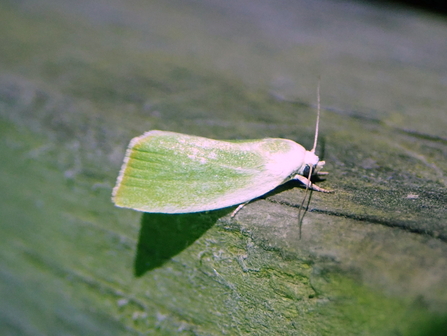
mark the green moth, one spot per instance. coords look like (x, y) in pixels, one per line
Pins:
(167, 172)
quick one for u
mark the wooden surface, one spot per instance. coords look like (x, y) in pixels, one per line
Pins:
(79, 79)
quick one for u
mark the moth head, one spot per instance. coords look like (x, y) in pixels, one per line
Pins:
(311, 160)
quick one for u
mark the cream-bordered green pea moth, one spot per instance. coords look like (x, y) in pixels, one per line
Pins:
(167, 172)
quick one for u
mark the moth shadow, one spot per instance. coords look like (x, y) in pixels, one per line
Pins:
(163, 236)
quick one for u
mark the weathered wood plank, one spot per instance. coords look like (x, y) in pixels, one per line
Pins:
(78, 80)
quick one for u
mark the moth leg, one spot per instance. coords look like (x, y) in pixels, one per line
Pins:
(304, 180)
(239, 207)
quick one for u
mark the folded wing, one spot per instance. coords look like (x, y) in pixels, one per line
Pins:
(169, 172)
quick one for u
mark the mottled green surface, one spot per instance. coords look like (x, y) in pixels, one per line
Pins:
(78, 80)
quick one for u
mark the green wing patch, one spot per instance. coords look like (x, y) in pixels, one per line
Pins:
(174, 173)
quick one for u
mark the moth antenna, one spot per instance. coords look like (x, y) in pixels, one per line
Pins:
(317, 126)
(300, 210)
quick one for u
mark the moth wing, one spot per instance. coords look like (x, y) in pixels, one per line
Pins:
(169, 172)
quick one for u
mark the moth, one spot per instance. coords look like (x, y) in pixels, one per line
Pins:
(168, 172)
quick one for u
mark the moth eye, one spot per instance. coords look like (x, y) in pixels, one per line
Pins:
(306, 170)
